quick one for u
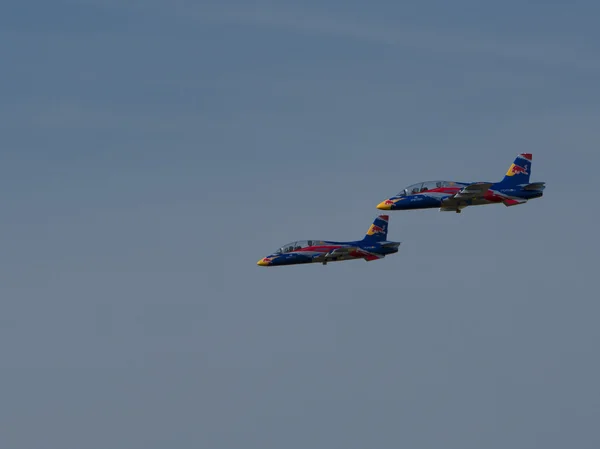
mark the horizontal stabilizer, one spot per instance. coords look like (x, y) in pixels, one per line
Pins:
(535, 186)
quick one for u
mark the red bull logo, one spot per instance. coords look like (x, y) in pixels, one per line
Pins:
(390, 202)
(374, 229)
(264, 262)
(517, 170)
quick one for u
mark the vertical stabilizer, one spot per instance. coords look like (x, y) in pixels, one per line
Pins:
(518, 173)
(378, 230)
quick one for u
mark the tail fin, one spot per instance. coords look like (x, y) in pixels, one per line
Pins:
(518, 172)
(378, 230)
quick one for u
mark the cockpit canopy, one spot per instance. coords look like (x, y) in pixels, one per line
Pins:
(425, 186)
(295, 246)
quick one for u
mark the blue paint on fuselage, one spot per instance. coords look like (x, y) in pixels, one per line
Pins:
(423, 201)
(294, 258)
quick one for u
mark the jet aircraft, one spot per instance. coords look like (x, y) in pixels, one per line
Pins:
(450, 196)
(373, 246)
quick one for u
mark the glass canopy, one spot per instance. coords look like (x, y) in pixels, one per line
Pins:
(425, 186)
(295, 246)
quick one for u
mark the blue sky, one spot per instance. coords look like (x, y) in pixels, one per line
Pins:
(153, 151)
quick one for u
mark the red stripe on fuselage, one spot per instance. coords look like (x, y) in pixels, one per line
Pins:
(317, 249)
(448, 190)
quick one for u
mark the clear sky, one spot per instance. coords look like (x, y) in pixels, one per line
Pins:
(152, 151)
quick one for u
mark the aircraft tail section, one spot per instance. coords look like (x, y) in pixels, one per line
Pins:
(378, 230)
(518, 173)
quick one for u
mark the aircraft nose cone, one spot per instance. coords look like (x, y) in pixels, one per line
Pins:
(385, 205)
(263, 262)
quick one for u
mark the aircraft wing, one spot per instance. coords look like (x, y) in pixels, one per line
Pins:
(514, 201)
(343, 250)
(475, 190)
(369, 256)
(335, 253)
(355, 251)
